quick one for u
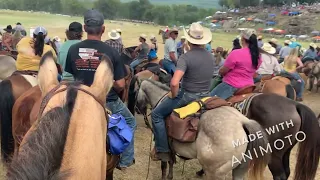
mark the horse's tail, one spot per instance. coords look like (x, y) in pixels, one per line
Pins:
(132, 95)
(291, 93)
(309, 148)
(6, 105)
(259, 160)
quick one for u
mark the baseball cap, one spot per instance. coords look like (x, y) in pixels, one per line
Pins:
(93, 18)
(40, 30)
(75, 27)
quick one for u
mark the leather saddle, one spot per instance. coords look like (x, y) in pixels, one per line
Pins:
(242, 94)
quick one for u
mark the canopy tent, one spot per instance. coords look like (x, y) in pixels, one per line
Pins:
(249, 19)
(272, 15)
(315, 32)
(242, 19)
(270, 23)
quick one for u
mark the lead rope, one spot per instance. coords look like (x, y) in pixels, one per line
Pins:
(149, 156)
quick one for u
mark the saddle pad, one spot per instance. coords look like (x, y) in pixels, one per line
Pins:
(189, 109)
(243, 106)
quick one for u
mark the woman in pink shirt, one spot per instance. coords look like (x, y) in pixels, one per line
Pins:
(239, 67)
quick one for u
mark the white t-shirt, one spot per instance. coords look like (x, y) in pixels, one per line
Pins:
(269, 65)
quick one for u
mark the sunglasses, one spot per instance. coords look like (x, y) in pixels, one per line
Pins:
(176, 33)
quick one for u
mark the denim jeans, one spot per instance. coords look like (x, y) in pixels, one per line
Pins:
(297, 76)
(223, 90)
(135, 63)
(119, 107)
(259, 77)
(169, 66)
(163, 110)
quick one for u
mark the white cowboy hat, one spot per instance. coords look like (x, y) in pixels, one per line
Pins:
(268, 48)
(118, 30)
(273, 40)
(143, 36)
(114, 35)
(197, 34)
(313, 45)
(293, 40)
(152, 37)
(57, 38)
(183, 37)
(287, 42)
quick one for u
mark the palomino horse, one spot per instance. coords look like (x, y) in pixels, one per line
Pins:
(7, 66)
(216, 131)
(68, 140)
(284, 120)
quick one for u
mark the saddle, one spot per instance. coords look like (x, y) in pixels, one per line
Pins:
(30, 73)
(128, 78)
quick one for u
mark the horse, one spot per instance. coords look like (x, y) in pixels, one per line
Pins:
(163, 34)
(271, 111)
(53, 148)
(7, 66)
(216, 130)
(314, 73)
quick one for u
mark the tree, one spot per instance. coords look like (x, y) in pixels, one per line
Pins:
(109, 8)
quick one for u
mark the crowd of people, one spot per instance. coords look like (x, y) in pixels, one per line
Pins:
(191, 62)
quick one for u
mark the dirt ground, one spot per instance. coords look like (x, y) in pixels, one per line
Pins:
(142, 148)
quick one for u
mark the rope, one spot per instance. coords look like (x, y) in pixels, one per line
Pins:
(149, 156)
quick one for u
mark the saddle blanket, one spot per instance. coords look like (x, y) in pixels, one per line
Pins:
(243, 106)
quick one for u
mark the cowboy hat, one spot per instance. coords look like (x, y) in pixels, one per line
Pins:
(246, 34)
(313, 45)
(57, 38)
(114, 35)
(287, 42)
(273, 40)
(8, 28)
(197, 34)
(259, 37)
(118, 30)
(293, 40)
(173, 30)
(183, 37)
(143, 36)
(268, 48)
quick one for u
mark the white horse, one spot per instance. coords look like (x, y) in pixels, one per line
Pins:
(217, 130)
(7, 66)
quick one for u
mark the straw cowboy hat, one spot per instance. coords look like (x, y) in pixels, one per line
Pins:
(268, 48)
(293, 40)
(259, 37)
(273, 40)
(183, 37)
(114, 35)
(173, 30)
(143, 36)
(313, 45)
(287, 42)
(197, 34)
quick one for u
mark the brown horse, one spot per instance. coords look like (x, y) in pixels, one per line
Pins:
(68, 140)
(163, 34)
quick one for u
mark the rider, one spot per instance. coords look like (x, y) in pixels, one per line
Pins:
(170, 52)
(7, 39)
(236, 44)
(19, 27)
(153, 46)
(120, 32)
(269, 65)
(195, 68)
(114, 41)
(260, 42)
(218, 63)
(78, 54)
(16, 37)
(294, 43)
(142, 49)
(239, 67)
(74, 34)
(180, 46)
(208, 47)
(30, 50)
(310, 54)
(284, 51)
(290, 66)
(274, 43)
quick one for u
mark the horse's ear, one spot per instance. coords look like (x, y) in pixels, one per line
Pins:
(103, 79)
(48, 73)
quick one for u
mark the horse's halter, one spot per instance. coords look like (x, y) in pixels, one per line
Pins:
(55, 91)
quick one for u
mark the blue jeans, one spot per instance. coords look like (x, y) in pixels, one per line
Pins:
(297, 76)
(163, 110)
(116, 107)
(223, 90)
(169, 66)
(135, 63)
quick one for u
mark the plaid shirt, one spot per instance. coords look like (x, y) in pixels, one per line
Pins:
(116, 44)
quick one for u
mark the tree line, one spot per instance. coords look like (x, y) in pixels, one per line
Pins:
(114, 9)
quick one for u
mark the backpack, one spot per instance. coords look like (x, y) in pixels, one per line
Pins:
(119, 134)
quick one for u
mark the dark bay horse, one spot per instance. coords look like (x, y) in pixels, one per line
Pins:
(285, 121)
(52, 148)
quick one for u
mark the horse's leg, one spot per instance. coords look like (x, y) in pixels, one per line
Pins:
(311, 81)
(170, 175)
(164, 169)
(110, 176)
(276, 167)
(286, 161)
(239, 172)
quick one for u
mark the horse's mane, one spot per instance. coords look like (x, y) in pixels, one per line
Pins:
(159, 84)
(41, 155)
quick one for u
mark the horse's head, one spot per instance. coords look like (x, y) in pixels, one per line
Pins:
(142, 99)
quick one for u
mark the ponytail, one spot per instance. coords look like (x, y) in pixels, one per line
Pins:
(254, 50)
(39, 44)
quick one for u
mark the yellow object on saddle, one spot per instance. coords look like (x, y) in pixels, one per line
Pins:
(189, 109)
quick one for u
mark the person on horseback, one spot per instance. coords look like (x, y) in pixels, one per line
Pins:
(153, 46)
(16, 37)
(7, 39)
(142, 49)
(284, 51)
(170, 52)
(218, 63)
(114, 41)
(290, 67)
(269, 65)
(260, 42)
(274, 43)
(74, 34)
(236, 44)
(30, 51)
(120, 32)
(20, 28)
(239, 67)
(195, 68)
(311, 53)
(82, 65)
(294, 43)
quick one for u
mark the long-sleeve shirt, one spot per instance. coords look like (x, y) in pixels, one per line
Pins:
(311, 54)
(269, 65)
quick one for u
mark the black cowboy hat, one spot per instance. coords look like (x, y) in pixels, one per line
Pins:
(8, 29)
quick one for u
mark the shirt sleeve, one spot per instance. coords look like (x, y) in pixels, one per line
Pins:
(182, 63)
(230, 62)
(118, 67)
(172, 47)
(68, 67)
